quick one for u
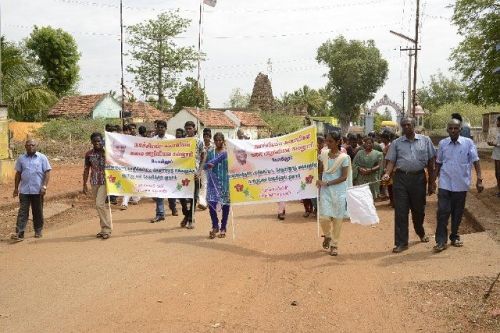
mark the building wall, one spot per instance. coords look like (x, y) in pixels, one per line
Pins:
(107, 108)
(179, 120)
(252, 132)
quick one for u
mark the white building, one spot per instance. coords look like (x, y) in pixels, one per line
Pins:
(217, 121)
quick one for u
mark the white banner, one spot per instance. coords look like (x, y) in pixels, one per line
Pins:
(147, 167)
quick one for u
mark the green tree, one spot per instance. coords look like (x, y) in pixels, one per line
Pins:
(356, 72)
(56, 52)
(238, 100)
(159, 60)
(315, 100)
(476, 58)
(282, 123)
(27, 98)
(190, 95)
(472, 114)
(440, 91)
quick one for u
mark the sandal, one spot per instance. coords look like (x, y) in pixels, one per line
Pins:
(105, 236)
(222, 234)
(326, 242)
(213, 233)
(333, 251)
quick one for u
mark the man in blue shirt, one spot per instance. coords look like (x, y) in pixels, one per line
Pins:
(408, 157)
(455, 157)
(32, 178)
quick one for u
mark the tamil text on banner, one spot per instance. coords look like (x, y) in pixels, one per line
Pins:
(275, 169)
(149, 167)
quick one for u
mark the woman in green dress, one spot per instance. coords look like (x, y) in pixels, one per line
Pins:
(367, 167)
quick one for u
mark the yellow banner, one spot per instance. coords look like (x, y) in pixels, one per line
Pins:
(276, 169)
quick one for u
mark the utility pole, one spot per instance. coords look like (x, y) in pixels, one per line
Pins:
(412, 102)
(414, 96)
(270, 69)
(122, 112)
(403, 92)
(1, 75)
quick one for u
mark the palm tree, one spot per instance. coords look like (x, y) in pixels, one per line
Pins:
(27, 98)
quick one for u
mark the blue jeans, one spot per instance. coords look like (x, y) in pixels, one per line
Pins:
(160, 207)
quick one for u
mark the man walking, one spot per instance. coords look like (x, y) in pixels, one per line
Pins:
(31, 180)
(409, 155)
(454, 158)
(188, 220)
(95, 162)
(161, 129)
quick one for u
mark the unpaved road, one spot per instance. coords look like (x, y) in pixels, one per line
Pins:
(161, 278)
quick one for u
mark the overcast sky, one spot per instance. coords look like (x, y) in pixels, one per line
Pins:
(240, 36)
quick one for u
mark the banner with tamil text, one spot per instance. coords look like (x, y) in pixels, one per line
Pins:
(275, 169)
(149, 167)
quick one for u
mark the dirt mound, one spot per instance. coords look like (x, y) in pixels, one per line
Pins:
(460, 305)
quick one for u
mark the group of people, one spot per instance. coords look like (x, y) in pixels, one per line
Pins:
(406, 168)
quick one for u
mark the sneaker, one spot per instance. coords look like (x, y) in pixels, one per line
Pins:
(439, 247)
(281, 216)
(123, 207)
(184, 222)
(38, 234)
(457, 243)
(424, 239)
(190, 225)
(175, 213)
(17, 237)
(157, 219)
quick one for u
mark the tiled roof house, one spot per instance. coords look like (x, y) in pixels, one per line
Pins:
(86, 106)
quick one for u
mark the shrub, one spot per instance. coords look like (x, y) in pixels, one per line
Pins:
(73, 129)
(282, 123)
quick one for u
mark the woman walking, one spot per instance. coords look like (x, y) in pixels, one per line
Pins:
(217, 185)
(367, 167)
(335, 168)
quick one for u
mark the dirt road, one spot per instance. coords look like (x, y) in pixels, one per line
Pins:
(161, 278)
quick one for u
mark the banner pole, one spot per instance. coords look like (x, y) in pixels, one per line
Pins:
(109, 207)
(232, 222)
(317, 211)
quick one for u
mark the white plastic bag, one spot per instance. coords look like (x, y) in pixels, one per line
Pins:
(360, 205)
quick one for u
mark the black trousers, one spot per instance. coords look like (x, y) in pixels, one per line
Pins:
(189, 205)
(449, 203)
(36, 203)
(409, 195)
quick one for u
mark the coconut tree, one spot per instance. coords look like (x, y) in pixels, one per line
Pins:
(27, 98)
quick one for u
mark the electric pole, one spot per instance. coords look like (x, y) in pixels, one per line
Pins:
(414, 92)
(122, 112)
(403, 92)
(1, 75)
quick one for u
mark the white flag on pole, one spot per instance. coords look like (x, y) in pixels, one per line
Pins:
(211, 3)
(360, 205)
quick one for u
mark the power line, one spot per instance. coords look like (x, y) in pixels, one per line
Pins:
(284, 35)
(232, 10)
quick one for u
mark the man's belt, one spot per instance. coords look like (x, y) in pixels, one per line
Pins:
(410, 172)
